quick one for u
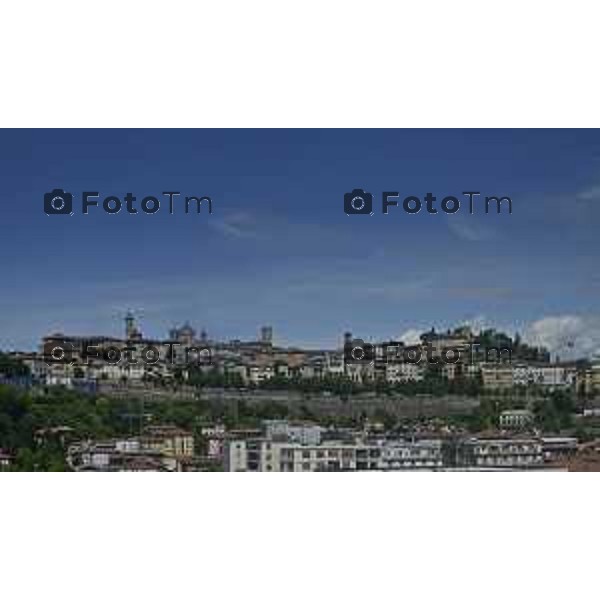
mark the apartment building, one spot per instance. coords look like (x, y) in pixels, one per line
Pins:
(558, 449)
(300, 433)
(264, 455)
(256, 374)
(545, 375)
(334, 364)
(338, 455)
(402, 372)
(515, 419)
(419, 454)
(353, 452)
(118, 455)
(497, 377)
(168, 441)
(509, 453)
(359, 372)
(549, 376)
(588, 380)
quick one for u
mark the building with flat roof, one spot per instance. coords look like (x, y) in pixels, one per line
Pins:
(515, 419)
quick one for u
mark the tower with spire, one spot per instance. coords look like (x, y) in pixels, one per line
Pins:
(131, 330)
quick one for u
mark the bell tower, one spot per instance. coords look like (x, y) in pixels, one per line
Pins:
(130, 329)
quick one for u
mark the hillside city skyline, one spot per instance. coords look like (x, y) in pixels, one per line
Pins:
(560, 346)
(278, 247)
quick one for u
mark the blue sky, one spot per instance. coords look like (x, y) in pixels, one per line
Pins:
(279, 249)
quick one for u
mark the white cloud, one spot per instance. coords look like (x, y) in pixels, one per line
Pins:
(411, 336)
(469, 229)
(237, 225)
(477, 323)
(570, 336)
(592, 193)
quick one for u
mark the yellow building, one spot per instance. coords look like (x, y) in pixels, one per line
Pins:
(168, 440)
(497, 377)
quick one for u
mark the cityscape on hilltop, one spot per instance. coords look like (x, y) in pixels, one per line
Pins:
(188, 402)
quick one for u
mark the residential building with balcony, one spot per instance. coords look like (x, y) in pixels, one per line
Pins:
(509, 453)
(515, 419)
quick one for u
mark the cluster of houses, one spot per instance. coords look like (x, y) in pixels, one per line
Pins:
(67, 360)
(284, 446)
(281, 445)
(157, 448)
